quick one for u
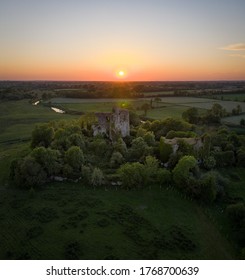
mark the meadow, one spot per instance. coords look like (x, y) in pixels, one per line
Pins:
(18, 118)
(70, 220)
(233, 120)
(167, 107)
(231, 97)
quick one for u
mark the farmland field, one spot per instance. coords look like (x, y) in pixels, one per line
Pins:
(231, 97)
(234, 120)
(156, 93)
(18, 118)
(167, 107)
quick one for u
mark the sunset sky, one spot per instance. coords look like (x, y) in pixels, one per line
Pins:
(94, 40)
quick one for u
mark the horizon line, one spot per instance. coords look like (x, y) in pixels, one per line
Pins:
(121, 81)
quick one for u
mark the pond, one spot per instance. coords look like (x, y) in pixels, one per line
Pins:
(36, 103)
(57, 110)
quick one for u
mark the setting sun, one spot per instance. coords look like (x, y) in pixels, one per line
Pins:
(121, 74)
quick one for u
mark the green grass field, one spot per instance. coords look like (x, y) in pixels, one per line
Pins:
(65, 221)
(233, 120)
(167, 107)
(18, 118)
(156, 93)
(231, 97)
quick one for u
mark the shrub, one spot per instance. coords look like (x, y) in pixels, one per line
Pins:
(163, 177)
(223, 159)
(139, 149)
(42, 135)
(28, 173)
(149, 138)
(165, 150)
(74, 157)
(209, 162)
(180, 134)
(183, 176)
(116, 159)
(132, 175)
(49, 159)
(97, 177)
(208, 187)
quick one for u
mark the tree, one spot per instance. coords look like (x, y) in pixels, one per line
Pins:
(116, 159)
(241, 157)
(141, 132)
(184, 147)
(74, 157)
(97, 177)
(209, 162)
(226, 158)
(100, 147)
(163, 177)
(86, 173)
(132, 175)
(150, 170)
(120, 146)
(183, 175)
(165, 150)
(61, 141)
(191, 115)
(149, 138)
(76, 139)
(145, 107)
(49, 159)
(180, 134)
(208, 188)
(242, 122)
(157, 99)
(218, 110)
(215, 114)
(42, 135)
(133, 118)
(28, 173)
(139, 149)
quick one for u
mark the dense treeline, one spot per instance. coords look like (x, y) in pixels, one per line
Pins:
(44, 89)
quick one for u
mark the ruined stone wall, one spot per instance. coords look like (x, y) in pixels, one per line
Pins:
(120, 120)
(112, 123)
(104, 123)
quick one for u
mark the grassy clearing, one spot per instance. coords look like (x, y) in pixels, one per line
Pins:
(156, 93)
(105, 104)
(7, 154)
(70, 221)
(165, 112)
(18, 118)
(231, 97)
(63, 100)
(233, 120)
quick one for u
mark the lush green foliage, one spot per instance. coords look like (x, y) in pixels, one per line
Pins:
(183, 175)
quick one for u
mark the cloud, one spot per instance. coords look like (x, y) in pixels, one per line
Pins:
(238, 55)
(235, 47)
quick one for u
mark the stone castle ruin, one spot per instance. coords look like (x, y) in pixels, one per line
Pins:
(112, 124)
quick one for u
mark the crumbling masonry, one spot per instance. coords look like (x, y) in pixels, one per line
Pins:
(112, 124)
